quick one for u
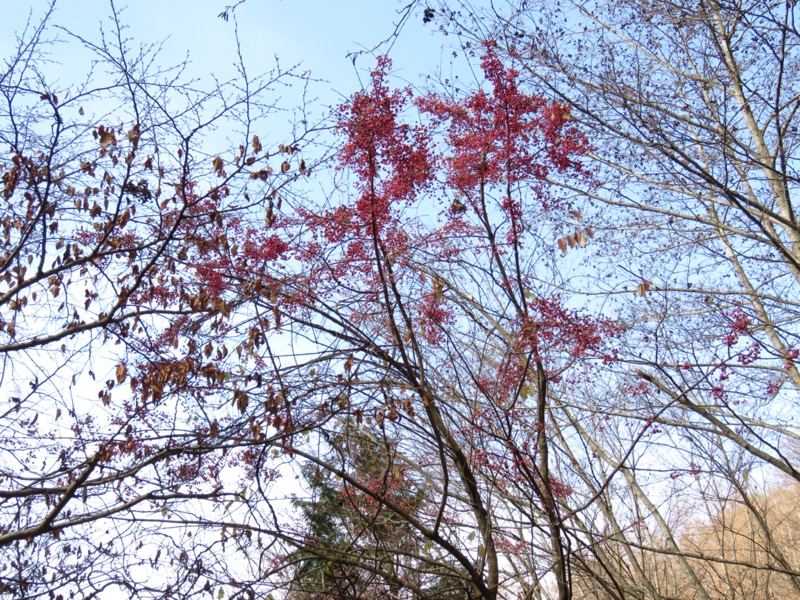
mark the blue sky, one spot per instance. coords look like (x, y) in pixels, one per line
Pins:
(317, 33)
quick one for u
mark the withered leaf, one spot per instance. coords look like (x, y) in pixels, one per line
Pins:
(122, 372)
(107, 137)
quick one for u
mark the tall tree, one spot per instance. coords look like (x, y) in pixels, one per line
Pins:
(691, 109)
(118, 196)
(437, 330)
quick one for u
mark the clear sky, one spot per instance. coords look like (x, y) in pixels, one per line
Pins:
(317, 33)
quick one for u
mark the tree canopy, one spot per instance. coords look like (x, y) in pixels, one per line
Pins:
(527, 333)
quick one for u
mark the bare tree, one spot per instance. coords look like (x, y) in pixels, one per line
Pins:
(691, 110)
(113, 190)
